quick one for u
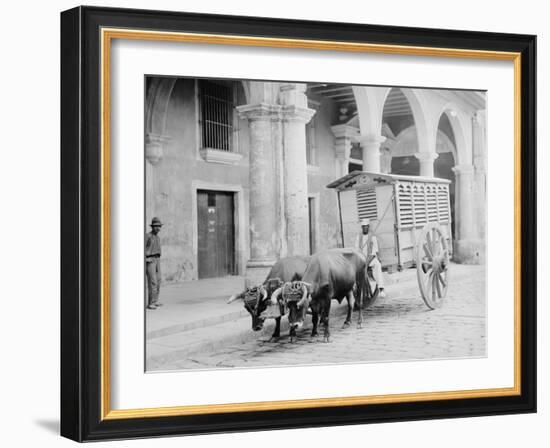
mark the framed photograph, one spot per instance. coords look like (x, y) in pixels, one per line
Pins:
(273, 224)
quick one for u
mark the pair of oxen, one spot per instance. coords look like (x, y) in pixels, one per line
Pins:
(295, 285)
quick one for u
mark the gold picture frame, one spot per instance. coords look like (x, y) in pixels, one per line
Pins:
(109, 25)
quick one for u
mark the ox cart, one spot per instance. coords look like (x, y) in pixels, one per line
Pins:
(411, 218)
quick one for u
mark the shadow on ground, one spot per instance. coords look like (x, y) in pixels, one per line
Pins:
(51, 426)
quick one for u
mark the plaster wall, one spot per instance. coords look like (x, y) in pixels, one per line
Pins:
(172, 198)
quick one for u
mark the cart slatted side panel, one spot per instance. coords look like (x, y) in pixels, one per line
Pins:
(431, 202)
(442, 203)
(420, 209)
(419, 203)
(444, 213)
(408, 215)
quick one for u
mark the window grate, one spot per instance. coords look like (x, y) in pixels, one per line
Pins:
(216, 112)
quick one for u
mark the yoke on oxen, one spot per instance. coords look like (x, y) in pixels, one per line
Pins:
(293, 299)
(295, 291)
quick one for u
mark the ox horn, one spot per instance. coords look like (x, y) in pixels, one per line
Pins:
(233, 298)
(275, 295)
(264, 294)
(304, 297)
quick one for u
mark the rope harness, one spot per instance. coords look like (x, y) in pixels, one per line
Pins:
(252, 297)
(292, 292)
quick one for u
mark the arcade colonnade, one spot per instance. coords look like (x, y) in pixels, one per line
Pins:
(469, 129)
(277, 114)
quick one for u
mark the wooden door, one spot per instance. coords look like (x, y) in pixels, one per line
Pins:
(216, 233)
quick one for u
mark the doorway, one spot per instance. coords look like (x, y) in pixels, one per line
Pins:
(216, 233)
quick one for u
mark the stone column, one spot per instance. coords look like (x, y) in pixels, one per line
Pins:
(295, 116)
(370, 144)
(426, 163)
(479, 140)
(344, 134)
(263, 190)
(154, 151)
(385, 160)
(467, 244)
(480, 155)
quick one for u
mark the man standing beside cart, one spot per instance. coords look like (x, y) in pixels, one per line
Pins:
(367, 243)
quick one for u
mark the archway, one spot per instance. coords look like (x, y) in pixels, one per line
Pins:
(398, 117)
(446, 161)
(158, 93)
(459, 125)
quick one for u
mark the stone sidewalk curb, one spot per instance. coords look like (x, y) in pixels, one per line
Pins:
(210, 321)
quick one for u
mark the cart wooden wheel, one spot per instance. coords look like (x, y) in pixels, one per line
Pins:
(432, 265)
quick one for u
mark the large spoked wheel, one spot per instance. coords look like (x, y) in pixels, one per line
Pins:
(432, 265)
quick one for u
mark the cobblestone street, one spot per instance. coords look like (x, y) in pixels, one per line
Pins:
(399, 327)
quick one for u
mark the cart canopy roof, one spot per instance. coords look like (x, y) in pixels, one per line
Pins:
(367, 178)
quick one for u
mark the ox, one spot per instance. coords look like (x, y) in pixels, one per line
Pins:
(331, 274)
(257, 299)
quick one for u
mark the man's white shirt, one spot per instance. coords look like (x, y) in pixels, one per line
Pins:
(362, 242)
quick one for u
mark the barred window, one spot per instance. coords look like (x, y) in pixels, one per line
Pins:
(216, 115)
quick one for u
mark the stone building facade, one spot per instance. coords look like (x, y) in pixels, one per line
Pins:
(237, 170)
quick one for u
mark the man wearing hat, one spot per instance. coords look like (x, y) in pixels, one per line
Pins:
(152, 264)
(367, 243)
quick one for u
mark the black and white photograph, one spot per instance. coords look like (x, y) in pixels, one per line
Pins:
(292, 224)
(275, 224)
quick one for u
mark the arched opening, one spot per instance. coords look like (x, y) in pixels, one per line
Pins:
(158, 94)
(446, 160)
(399, 128)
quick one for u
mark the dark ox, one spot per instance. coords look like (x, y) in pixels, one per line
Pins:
(293, 298)
(257, 299)
(331, 274)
